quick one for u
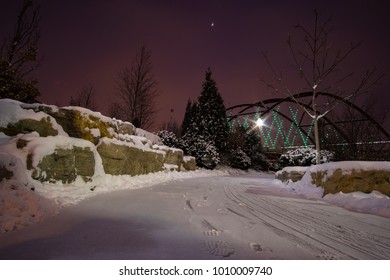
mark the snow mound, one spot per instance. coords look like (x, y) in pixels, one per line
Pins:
(372, 203)
(20, 205)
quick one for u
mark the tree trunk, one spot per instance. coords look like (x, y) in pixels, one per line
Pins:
(317, 139)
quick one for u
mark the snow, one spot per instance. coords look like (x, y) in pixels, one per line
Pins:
(222, 216)
(20, 205)
(33, 201)
(94, 131)
(372, 203)
(150, 136)
(46, 195)
(138, 142)
(42, 146)
(289, 169)
(188, 158)
(166, 148)
(348, 166)
(11, 112)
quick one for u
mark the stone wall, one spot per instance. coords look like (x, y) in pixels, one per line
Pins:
(343, 177)
(65, 165)
(79, 140)
(127, 160)
(357, 180)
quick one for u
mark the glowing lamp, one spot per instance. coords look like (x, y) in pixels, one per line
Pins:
(259, 122)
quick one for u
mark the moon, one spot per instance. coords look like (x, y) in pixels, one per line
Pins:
(212, 24)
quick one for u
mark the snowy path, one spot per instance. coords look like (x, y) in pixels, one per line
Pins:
(243, 217)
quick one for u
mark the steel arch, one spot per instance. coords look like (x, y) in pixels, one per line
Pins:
(269, 105)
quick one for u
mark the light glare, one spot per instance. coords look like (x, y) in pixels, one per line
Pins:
(259, 122)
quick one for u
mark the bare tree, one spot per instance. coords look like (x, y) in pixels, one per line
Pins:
(85, 98)
(137, 91)
(364, 138)
(318, 66)
(19, 56)
(171, 126)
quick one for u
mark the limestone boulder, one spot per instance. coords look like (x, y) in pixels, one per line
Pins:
(294, 174)
(121, 127)
(52, 158)
(80, 124)
(356, 180)
(16, 119)
(64, 165)
(189, 163)
(173, 156)
(120, 158)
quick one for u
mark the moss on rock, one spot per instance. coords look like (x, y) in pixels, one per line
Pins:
(79, 125)
(126, 160)
(44, 127)
(189, 163)
(65, 165)
(357, 180)
(293, 175)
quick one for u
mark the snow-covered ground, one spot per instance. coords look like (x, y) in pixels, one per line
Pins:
(24, 201)
(225, 216)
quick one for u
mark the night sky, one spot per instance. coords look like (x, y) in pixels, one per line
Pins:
(88, 42)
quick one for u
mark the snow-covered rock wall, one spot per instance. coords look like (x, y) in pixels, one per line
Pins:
(294, 173)
(347, 177)
(342, 177)
(72, 143)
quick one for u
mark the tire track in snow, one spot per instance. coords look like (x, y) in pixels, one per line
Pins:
(365, 243)
(290, 222)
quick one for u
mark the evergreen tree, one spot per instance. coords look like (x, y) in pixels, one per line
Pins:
(205, 128)
(19, 56)
(187, 118)
(210, 117)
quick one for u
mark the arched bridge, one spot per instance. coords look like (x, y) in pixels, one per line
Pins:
(288, 125)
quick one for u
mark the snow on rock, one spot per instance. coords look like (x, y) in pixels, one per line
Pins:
(12, 112)
(293, 173)
(351, 176)
(150, 136)
(293, 168)
(33, 151)
(373, 202)
(172, 155)
(348, 166)
(189, 163)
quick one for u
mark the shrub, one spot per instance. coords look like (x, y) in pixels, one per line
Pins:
(205, 152)
(239, 159)
(245, 141)
(304, 157)
(169, 138)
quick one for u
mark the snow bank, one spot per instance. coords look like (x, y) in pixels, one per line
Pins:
(155, 139)
(372, 203)
(24, 201)
(292, 168)
(348, 166)
(20, 204)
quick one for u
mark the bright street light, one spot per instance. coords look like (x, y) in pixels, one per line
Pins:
(259, 122)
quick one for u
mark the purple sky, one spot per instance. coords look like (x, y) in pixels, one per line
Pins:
(88, 42)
